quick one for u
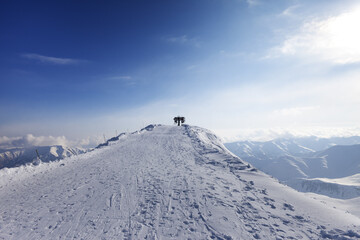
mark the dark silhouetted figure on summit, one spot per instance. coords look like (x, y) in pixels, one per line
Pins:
(179, 120)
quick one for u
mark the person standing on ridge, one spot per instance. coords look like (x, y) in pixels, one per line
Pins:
(179, 120)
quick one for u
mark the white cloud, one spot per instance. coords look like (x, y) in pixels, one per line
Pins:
(5, 140)
(30, 140)
(334, 39)
(266, 134)
(52, 60)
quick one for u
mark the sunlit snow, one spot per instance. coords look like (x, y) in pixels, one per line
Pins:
(163, 182)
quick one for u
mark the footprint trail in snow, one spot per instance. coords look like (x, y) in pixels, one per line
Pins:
(163, 182)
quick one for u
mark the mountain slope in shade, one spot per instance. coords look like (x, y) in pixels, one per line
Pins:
(20, 156)
(164, 182)
(338, 161)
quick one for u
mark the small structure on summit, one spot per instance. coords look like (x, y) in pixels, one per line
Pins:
(179, 120)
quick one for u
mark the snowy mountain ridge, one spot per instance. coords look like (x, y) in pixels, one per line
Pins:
(353, 180)
(296, 146)
(304, 168)
(165, 182)
(20, 156)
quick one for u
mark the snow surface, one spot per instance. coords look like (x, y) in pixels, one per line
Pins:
(353, 180)
(331, 189)
(348, 205)
(343, 188)
(163, 182)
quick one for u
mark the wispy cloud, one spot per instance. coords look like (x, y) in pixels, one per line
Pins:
(262, 134)
(253, 3)
(184, 40)
(31, 140)
(334, 39)
(128, 80)
(289, 11)
(51, 60)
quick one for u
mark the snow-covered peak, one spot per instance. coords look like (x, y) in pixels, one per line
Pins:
(165, 182)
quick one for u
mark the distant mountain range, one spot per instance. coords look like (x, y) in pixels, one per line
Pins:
(20, 156)
(15, 157)
(307, 164)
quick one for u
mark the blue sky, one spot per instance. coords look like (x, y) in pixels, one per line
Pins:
(75, 70)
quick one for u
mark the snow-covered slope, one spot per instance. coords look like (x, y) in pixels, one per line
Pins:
(353, 180)
(20, 156)
(343, 188)
(284, 160)
(164, 182)
(348, 205)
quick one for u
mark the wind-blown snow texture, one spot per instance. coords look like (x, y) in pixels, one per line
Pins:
(164, 182)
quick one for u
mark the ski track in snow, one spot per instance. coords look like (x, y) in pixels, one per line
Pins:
(161, 183)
